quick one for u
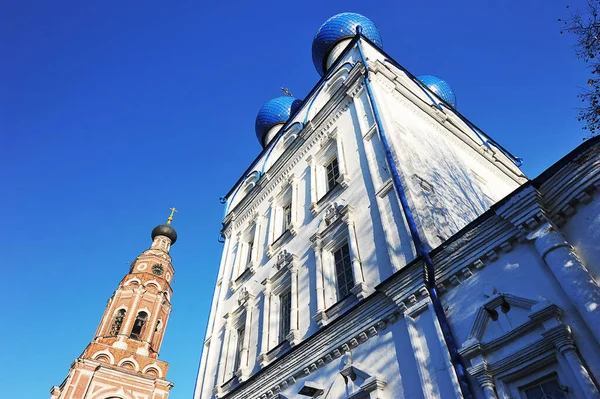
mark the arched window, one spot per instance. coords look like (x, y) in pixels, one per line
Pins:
(117, 323)
(138, 326)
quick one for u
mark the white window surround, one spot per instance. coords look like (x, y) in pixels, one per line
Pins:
(553, 350)
(240, 317)
(279, 230)
(332, 147)
(336, 228)
(284, 278)
(246, 252)
(516, 389)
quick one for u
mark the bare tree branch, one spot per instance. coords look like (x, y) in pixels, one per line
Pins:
(585, 26)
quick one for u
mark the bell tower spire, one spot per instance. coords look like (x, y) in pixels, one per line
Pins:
(122, 358)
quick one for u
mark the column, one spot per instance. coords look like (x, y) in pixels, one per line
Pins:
(224, 358)
(271, 231)
(313, 185)
(486, 383)
(352, 245)
(162, 332)
(438, 377)
(294, 184)
(245, 371)
(217, 294)
(108, 314)
(561, 337)
(255, 243)
(360, 289)
(294, 335)
(341, 161)
(131, 313)
(320, 315)
(201, 378)
(238, 257)
(573, 277)
(264, 341)
(210, 377)
(150, 327)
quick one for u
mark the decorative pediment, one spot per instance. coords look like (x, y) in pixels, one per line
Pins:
(284, 264)
(503, 319)
(283, 259)
(358, 382)
(243, 296)
(491, 311)
(332, 213)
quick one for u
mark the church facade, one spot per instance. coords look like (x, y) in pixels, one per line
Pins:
(383, 246)
(122, 361)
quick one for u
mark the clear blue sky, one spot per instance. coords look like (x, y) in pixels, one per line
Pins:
(113, 111)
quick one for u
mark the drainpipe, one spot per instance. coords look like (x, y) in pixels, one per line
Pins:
(421, 250)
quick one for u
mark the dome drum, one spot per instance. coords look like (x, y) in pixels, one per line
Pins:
(336, 51)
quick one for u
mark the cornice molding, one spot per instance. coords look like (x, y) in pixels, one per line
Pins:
(346, 332)
(314, 131)
(445, 124)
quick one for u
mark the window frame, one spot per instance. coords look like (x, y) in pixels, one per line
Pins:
(145, 320)
(283, 216)
(246, 253)
(239, 347)
(285, 314)
(337, 229)
(235, 360)
(332, 150)
(332, 175)
(545, 379)
(114, 321)
(346, 259)
(283, 280)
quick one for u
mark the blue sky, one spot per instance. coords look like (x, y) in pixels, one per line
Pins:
(112, 112)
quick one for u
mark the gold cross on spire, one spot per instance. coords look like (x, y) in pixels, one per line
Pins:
(170, 219)
(286, 92)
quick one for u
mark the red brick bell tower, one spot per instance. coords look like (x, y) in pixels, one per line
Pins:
(122, 362)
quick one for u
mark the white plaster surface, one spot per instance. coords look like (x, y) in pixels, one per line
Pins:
(450, 179)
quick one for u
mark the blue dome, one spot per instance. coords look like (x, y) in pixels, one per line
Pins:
(278, 110)
(338, 27)
(439, 87)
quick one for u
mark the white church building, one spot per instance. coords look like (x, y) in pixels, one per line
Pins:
(383, 246)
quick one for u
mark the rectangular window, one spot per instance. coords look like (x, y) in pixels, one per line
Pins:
(343, 270)
(332, 172)
(545, 389)
(250, 245)
(238, 349)
(287, 217)
(285, 311)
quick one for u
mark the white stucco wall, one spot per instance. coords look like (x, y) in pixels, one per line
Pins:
(399, 342)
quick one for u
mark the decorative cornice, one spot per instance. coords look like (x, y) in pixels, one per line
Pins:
(312, 134)
(346, 332)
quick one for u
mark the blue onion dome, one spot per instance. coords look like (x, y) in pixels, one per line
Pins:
(439, 87)
(278, 110)
(336, 28)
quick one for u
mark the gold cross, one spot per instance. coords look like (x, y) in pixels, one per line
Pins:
(170, 219)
